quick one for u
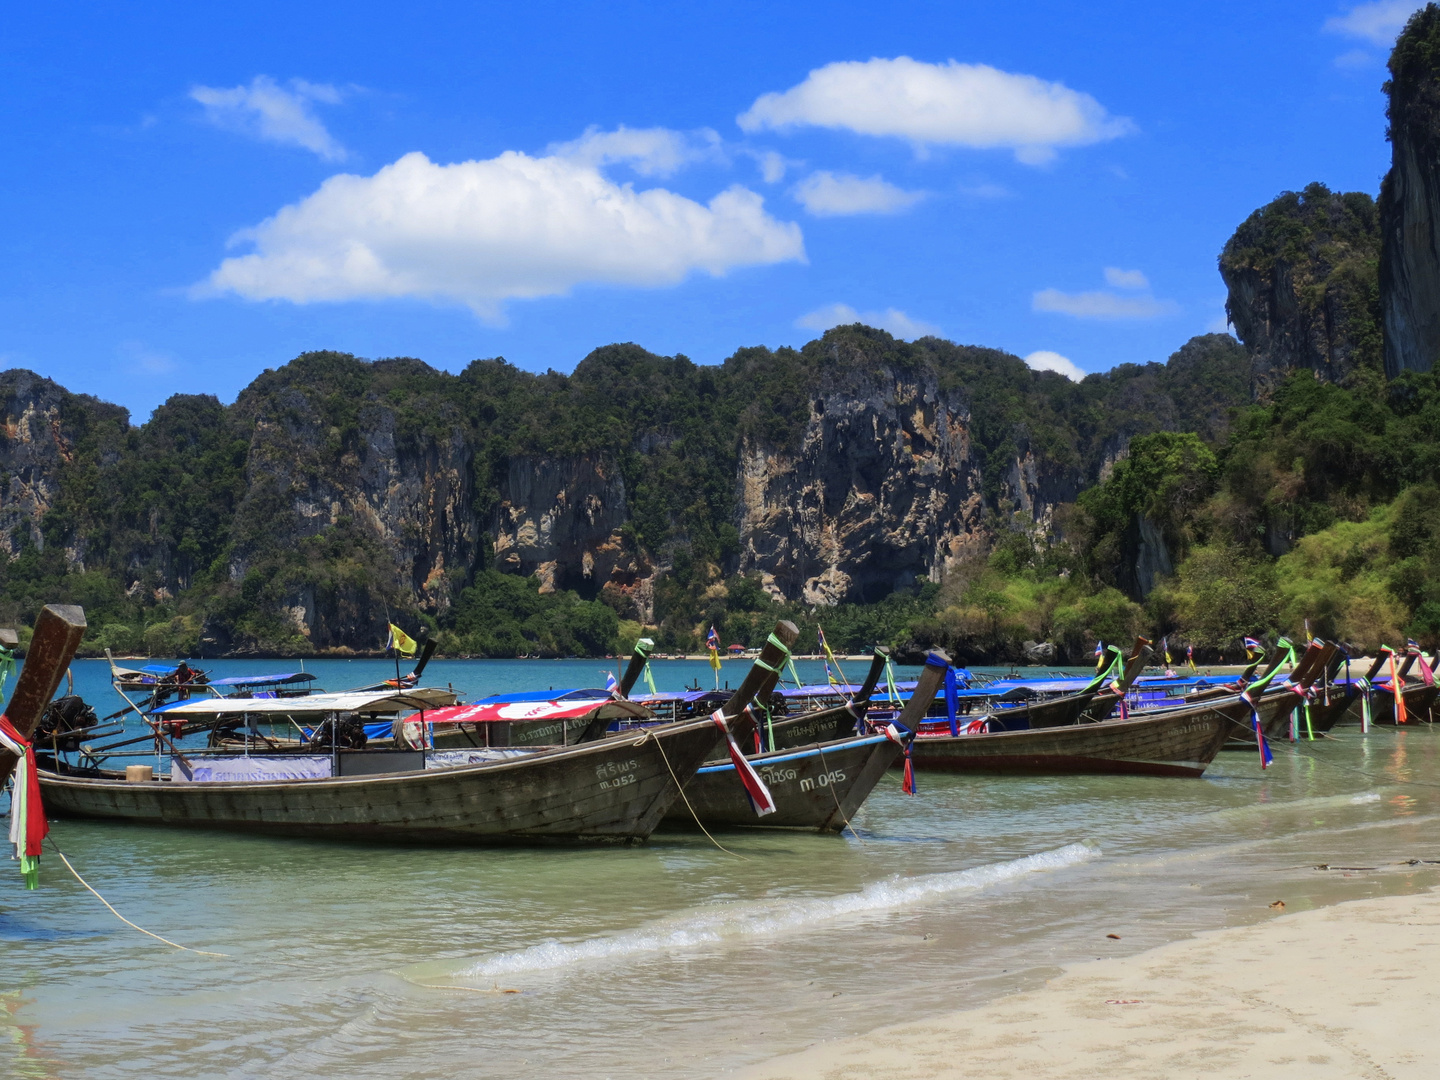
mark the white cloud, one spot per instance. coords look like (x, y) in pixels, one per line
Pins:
(1102, 305)
(827, 194)
(268, 111)
(950, 104)
(892, 320)
(1379, 23)
(985, 191)
(773, 166)
(1125, 279)
(1045, 360)
(484, 232)
(649, 151)
(1355, 60)
(140, 357)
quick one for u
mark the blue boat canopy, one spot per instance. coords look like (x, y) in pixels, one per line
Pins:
(544, 695)
(263, 680)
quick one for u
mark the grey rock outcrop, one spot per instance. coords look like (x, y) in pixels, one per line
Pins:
(1301, 275)
(1410, 200)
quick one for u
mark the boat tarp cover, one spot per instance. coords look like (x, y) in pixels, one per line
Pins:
(491, 711)
(264, 680)
(390, 701)
(241, 769)
(546, 695)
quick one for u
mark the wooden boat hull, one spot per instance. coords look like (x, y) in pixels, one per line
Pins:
(614, 789)
(1180, 742)
(816, 787)
(822, 725)
(1418, 702)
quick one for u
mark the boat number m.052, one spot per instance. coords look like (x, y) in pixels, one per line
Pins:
(834, 776)
(615, 774)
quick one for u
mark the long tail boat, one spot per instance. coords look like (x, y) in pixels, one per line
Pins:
(829, 724)
(609, 789)
(1419, 697)
(1095, 701)
(818, 787)
(1179, 741)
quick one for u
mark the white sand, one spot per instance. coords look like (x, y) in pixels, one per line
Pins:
(1351, 991)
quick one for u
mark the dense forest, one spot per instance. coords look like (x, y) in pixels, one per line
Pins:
(904, 493)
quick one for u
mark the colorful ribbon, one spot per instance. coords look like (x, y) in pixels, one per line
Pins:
(28, 827)
(760, 798)
(907, 781)
(952, 700)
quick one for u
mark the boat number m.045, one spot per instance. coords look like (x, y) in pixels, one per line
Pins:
(615, 774)
(834, 776)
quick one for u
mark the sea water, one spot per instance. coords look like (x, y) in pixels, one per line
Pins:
(672, 958)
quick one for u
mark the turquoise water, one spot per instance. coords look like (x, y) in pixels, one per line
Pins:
(671, 959)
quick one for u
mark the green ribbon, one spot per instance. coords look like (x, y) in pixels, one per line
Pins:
(7, 667)
(891, 693)
(642, 647)
(1117, 661)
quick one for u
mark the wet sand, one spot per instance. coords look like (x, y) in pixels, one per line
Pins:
(1345, 991)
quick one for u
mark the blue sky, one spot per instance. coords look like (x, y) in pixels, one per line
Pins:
(192, 195)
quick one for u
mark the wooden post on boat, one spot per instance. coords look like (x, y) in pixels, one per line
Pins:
(58, 631)
(932, 676)
(638, 660)
(877, 668)
(765, 670)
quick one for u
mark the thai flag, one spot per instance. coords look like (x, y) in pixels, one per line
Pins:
(1099, 649)
(712, 639)
(611, 683)
(1412, 644)
(1251, 645)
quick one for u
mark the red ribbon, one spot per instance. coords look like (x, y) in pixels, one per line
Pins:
(37, 828)
(760, 797)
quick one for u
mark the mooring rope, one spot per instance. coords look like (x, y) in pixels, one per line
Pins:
(122, 918)
(661, 747)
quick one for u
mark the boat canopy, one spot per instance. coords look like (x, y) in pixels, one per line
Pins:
(390, 701)
(589, 694)
(263, 680)
(491, 711)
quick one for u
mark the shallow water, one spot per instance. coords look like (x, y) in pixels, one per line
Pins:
(671, 959)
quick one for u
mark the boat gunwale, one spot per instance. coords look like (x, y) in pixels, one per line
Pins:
(542, 753)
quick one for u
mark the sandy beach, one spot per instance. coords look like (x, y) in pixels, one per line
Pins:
(1344, 991)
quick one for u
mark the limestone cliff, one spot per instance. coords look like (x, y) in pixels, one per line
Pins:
(337, 494)
(1303, 288)
(1410, 200)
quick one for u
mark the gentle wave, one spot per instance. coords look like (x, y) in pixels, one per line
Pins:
(767, 917)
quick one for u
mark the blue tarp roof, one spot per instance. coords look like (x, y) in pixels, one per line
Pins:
(263, 680)
(543, 695)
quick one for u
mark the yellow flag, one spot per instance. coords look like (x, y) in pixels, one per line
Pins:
(400, 641)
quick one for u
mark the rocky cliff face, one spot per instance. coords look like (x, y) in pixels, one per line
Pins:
(43, 422)
(1410, 200)
(336, 493)
(1303, 288)
(882, 490)
(402, 500)
(561, 518)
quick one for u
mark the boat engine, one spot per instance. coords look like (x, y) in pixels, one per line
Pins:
(64, 722)
(345, 731)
